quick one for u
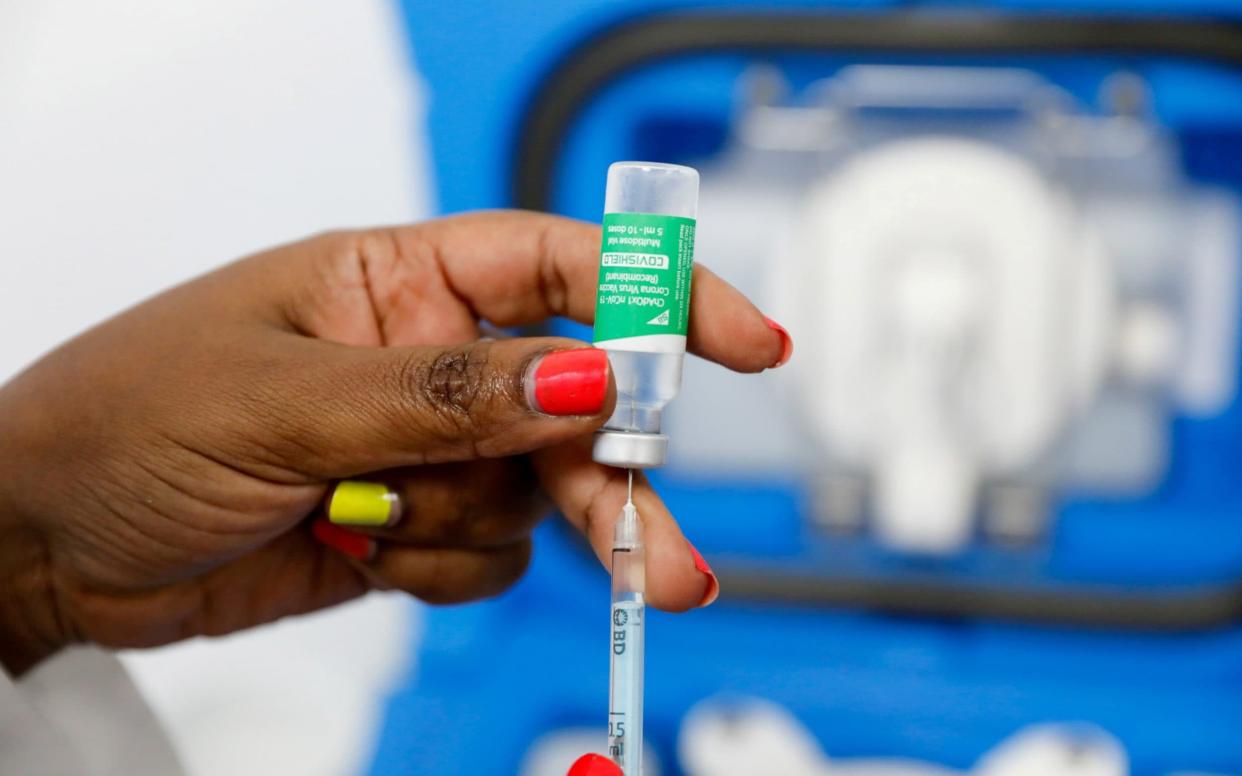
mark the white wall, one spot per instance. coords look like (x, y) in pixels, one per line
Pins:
(142, 143)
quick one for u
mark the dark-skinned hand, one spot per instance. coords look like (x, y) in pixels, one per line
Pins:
(158, 474)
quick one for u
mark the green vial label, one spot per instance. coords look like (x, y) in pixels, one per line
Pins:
(644, 282)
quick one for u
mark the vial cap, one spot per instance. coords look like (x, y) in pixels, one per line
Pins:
(630, 449)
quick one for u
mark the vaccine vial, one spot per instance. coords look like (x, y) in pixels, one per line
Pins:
(642, 308)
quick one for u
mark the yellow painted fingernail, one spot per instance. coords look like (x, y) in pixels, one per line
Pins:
(354, 502)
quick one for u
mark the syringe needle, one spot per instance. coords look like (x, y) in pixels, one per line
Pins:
(629, 489)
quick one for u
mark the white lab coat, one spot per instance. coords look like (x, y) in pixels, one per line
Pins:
(78, 714)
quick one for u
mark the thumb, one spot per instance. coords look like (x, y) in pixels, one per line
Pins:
(355, 410)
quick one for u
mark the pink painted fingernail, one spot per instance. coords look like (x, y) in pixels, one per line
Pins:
(713, 584)
(594, 765)
(786, 342)
(352, 543)
(569, 382)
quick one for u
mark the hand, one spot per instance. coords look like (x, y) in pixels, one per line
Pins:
(157, 472)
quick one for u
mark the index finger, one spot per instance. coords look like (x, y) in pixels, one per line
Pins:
(515, 268)
(590, 496)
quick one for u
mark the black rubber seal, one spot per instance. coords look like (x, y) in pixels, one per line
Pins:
(620, 49)
(1203, 608)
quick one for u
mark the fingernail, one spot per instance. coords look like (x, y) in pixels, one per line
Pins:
(594, 765)
(569, 382)
(786, 342)
(354, 502)
(713, 584)
(353, 544)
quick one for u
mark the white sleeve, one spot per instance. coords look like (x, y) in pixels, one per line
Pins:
(79, 713)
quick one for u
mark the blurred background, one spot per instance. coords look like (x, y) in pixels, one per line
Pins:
(985, 522)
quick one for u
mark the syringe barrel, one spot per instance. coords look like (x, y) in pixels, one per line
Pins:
(642, 308)
(625, 692)
(628, 555)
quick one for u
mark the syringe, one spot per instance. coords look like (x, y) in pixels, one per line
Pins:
(625, 686)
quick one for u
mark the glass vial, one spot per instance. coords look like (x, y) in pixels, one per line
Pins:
(642, 308)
